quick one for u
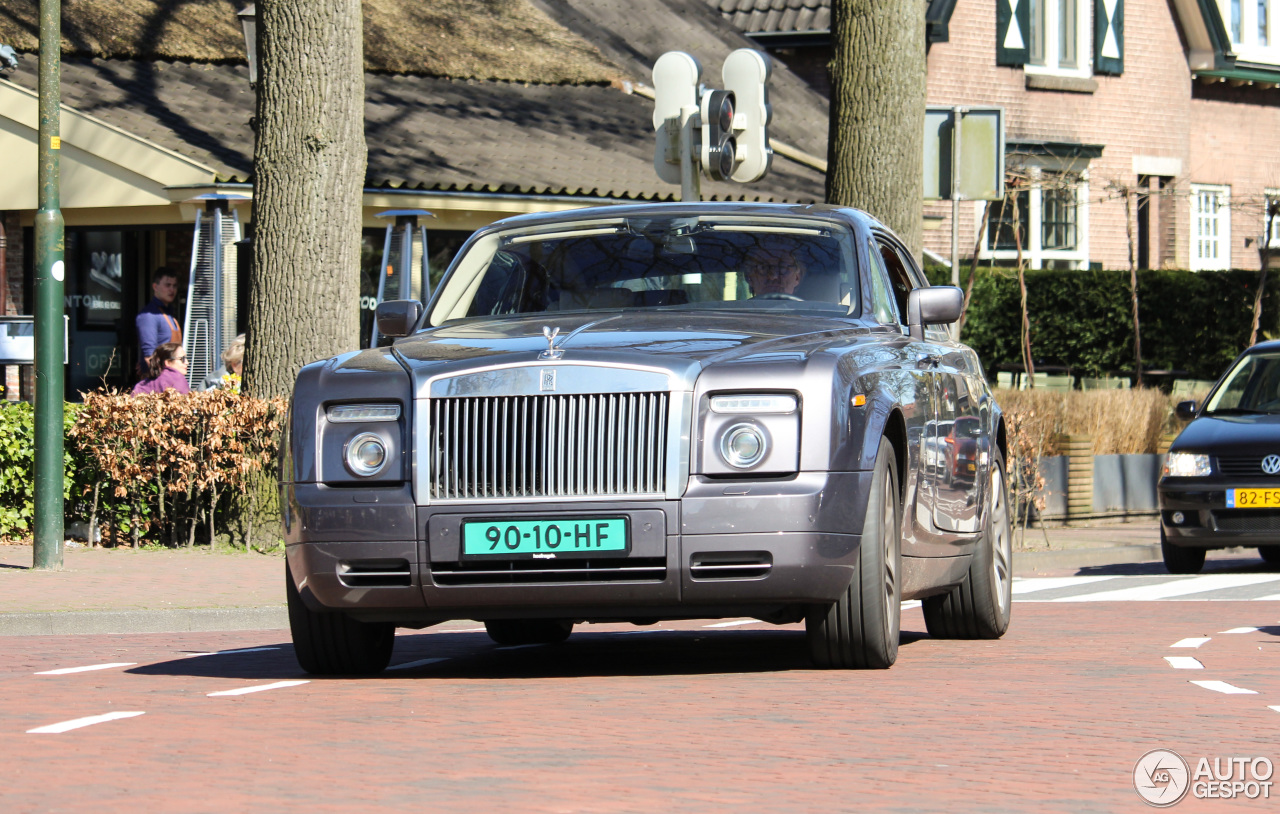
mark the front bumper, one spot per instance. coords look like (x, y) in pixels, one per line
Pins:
(1206, 520)
(725, 548)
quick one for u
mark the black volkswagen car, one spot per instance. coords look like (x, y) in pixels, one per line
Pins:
(1221, 481)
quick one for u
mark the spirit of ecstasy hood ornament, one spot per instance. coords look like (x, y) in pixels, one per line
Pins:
(552, 352)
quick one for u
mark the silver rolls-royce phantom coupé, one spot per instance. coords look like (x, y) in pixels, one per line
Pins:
(640, 413)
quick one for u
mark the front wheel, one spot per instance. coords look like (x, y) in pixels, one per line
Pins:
(860, 629)
(1179, 560)
(1270, 553)
(332, 643)
(980, 607)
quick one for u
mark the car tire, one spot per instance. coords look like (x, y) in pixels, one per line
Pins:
(860, 629)
(1270, 553)
(511, 632)
(1179, 560)
(332, 643)
(980, 607)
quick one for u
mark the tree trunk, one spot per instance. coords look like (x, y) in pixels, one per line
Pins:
(1133, 285)
(973, 270)
(1264, 255)
(875, 152)
(309, 171)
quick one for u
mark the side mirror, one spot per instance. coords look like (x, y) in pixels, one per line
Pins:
(1186, 410)
(935, 305)
(397, 317)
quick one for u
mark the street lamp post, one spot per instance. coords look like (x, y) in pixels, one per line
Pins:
(47, 551)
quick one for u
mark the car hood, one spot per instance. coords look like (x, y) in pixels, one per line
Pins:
(1231, 435)
(678, 342)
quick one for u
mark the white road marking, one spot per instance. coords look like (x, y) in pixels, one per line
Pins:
(1190, 642)
(1026, 586)
(1181, 587)
(1277, 709)
(1183, 663)
(1272, 598)
(68, 670)
(230, 652)
(419, 663)
(1241, 630)
(734, 624)
(1224, 687)
(259, 688)
(914, 603)
(67, 726)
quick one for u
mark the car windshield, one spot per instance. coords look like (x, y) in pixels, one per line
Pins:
(1252, 386)
(726, 262)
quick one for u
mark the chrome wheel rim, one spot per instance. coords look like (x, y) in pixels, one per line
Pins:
(1001, 544)
(891, 606)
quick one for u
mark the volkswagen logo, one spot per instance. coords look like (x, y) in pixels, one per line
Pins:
(1271, 464)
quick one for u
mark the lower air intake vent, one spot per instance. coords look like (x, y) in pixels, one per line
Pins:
(525, 572)
(730, 565)
(375, 574)
(1261, 521)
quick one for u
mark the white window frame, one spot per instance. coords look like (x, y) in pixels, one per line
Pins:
(1210, 232)
(1271, 194)
(1051, 64)
(1248, 46)
(1033, 252)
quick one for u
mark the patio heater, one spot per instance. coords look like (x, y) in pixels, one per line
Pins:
(404, 274)
(210, 322)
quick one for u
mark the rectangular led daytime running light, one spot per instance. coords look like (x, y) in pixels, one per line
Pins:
(352, 413)
(753, 405)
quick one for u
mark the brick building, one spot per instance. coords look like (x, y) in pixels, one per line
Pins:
(1173, 104)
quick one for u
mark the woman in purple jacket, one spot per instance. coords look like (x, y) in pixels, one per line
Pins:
(167, 368)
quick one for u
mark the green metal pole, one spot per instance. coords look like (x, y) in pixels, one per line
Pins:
(50, 339)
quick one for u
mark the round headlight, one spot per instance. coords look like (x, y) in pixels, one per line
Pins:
(743, 445)
(366, 454)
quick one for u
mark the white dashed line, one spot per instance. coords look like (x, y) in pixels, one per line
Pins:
(1180, 587)
(419, 663)
(1277, 709)
(231, 652)
(1272, 598)
(734, 623)
(1183, 663)
(1241, 630)
(69, 670)
(67, 726)
(246, 690)
(1026, 586)
(1224, 687)
(913, 603)
(1190, 642)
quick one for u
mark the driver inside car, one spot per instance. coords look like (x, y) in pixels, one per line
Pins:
(771, 271)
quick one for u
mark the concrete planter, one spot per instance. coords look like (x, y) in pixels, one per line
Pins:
(1081, 485)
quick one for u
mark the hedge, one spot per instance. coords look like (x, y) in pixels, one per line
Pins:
(1192, 322)
(156, 467)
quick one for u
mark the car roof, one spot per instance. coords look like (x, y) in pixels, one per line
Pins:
(691, 208)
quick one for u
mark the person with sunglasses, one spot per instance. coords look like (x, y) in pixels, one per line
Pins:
(167, 368)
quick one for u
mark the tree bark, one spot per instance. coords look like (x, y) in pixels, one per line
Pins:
(875, 152)
(309, 171)
(1133, 285)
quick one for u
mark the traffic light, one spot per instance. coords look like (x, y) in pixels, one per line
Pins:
(746, 75)
(675, 86)
(718, 144)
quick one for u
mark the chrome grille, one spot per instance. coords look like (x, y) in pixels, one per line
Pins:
(550, 445)
(1243, 466)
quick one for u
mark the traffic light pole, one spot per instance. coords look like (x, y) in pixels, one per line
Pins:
(690, 179)
(48, 312)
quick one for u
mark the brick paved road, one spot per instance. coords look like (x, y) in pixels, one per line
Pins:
(623, 719)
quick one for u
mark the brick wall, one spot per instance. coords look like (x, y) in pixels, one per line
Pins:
(1151, 111)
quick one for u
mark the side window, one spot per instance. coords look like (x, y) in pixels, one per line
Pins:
(899, 278)
(881, 299)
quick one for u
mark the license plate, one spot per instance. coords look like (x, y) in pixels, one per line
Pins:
(1253, 498)
(546, 537)
(971, 468)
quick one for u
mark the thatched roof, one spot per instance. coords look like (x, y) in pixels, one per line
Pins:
(508, 40)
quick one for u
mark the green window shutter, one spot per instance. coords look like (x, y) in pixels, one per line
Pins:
(1013, 31)
(1108, 37)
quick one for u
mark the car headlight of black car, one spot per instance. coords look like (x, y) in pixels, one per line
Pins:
(756, 433)
(1186, 465)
